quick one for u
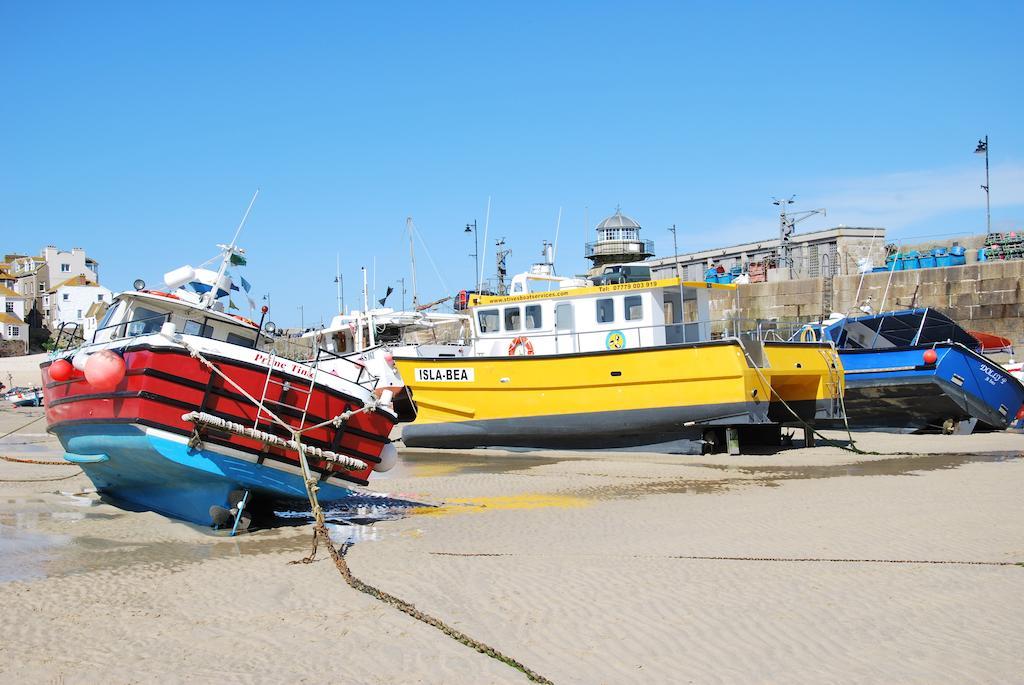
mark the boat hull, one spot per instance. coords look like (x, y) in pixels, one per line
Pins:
(897, 390)
(140, 441)
(155, 470)
(614, 399)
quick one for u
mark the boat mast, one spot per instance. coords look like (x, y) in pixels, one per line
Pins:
(341, 285)
(558, 227)
(228, 251)
(366, 311)
(412, 262)
(483, 262)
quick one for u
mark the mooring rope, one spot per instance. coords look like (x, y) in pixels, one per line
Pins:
(838, 560)
(41, 462)
(38, 480)
(320, 532)
(411, 610)
(852, 447)
(22, 427)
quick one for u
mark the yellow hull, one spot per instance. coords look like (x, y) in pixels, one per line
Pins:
(622, 395)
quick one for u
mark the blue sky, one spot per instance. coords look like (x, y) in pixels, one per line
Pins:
(140, 131)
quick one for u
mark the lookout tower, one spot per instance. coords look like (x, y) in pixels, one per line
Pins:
(618, 241)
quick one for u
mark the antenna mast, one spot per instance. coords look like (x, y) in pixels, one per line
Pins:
(501, 254)
(787, 226)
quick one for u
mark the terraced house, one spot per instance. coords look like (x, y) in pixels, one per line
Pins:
(35, 277)
(13, 329)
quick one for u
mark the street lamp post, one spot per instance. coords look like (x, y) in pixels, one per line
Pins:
(471, 228)
(982, 149)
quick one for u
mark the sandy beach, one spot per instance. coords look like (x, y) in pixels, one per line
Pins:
(808, 565)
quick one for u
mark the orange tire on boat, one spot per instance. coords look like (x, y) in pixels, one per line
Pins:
(521, 341)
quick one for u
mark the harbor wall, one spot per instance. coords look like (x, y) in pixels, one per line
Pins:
(984, 296)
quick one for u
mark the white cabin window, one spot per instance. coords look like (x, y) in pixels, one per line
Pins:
(533, 317)
(244, 341)
(196, 328)
(634, 308)
(67, 296)
(10, 307)
(605, 310)
(488, 320)
(145, 321)
(65, 268)
(513, 318)
(13, 331)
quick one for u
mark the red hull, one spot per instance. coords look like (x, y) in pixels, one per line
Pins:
(161, 384)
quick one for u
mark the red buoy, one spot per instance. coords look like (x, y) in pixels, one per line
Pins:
(930, 357)
(104, 370)
(61, 370)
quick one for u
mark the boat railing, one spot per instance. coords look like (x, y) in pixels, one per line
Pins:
(69, 335)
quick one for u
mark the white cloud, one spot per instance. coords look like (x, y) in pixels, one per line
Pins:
(897, 200)
(891, 201)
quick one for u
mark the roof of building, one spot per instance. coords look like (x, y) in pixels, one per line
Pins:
(79, 280)
(7, 292)
(771, 244)
(10, 319)
(97, 309)
(618, 220)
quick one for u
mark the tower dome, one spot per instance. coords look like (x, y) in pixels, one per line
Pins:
(618, 220)
(618, 241)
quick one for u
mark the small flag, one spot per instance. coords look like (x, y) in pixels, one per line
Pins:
(386, 295)
(252, 303)
(231, 305)
(237, 260)
(245, 284)
(233, 286)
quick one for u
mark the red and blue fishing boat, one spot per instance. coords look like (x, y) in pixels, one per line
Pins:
(177, 405)
(918, 370)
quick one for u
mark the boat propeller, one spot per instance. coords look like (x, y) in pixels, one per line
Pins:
(235, 515)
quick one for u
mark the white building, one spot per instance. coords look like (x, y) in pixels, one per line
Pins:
(75, 301)
(63, 265)
(12, 318)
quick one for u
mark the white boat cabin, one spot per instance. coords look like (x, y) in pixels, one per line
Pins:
(586, 319)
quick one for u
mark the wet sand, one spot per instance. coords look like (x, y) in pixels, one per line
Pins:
(809, 565)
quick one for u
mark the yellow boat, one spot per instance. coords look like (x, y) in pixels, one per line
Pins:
(636, 364)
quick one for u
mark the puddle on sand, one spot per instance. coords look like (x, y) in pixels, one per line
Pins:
(426, 465)
(39, 536)
(896, 466)
(770, 476)
(463, 505)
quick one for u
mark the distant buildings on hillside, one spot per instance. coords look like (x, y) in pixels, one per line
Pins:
(39, 294)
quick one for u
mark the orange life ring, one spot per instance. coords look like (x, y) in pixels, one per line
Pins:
(521, 341)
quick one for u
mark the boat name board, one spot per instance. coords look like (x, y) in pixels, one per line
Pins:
(450, 375)
(992, 377)
(283, 365)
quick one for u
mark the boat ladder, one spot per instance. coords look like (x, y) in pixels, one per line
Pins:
(834, 385)
(302, 388)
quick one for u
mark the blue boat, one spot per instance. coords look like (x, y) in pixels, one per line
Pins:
(918, 370)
